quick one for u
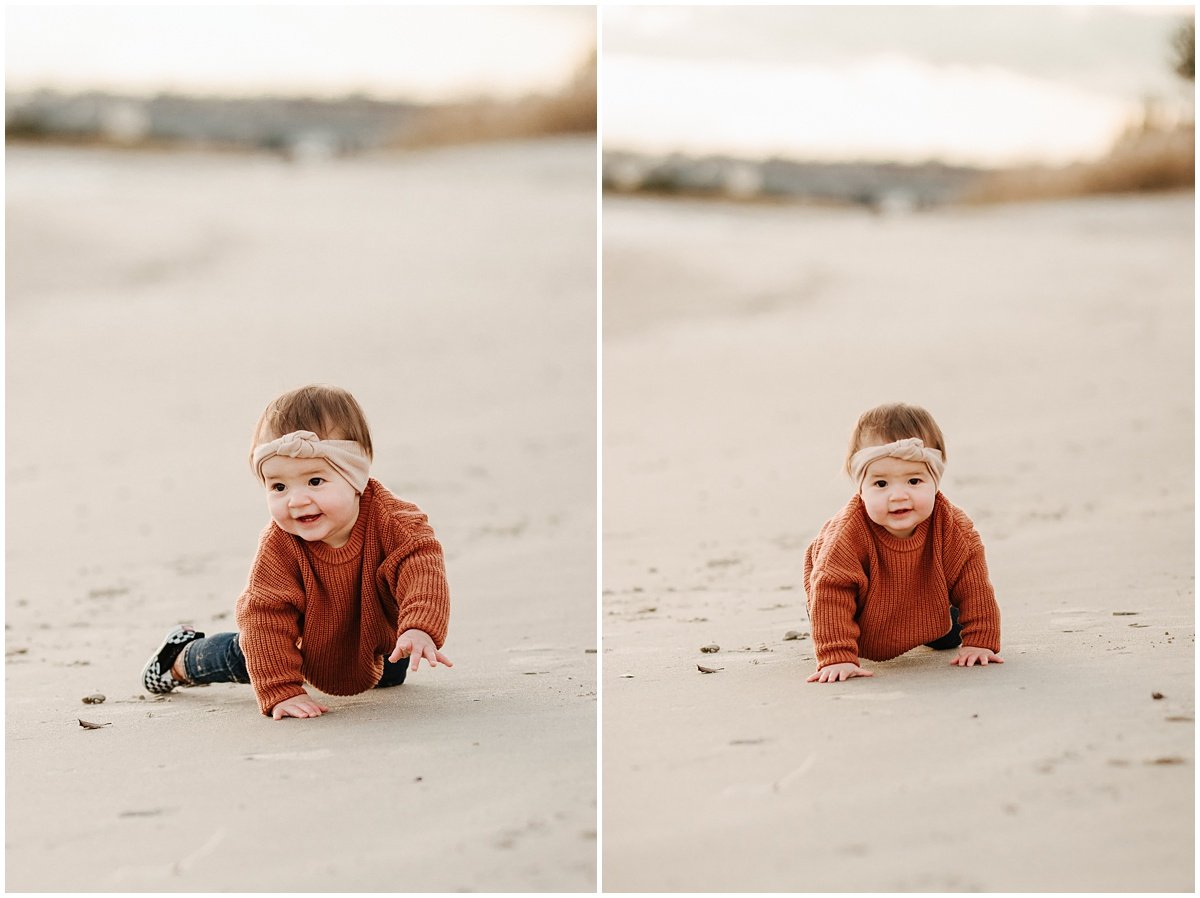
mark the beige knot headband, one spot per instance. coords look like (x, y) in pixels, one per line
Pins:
(344, 456)
(911, 449)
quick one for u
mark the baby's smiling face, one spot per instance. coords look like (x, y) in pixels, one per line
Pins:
(309, 499)
(898, 495)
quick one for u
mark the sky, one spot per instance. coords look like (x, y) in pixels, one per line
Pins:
(973, 85)
(417, 53)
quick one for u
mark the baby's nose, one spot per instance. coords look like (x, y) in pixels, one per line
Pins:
(298, 498)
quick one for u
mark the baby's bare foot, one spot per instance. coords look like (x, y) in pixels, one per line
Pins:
(177, 669)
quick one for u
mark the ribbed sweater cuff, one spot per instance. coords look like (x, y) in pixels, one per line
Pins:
(269, 698)
(428, 618)
(981, 638)
(824, 659)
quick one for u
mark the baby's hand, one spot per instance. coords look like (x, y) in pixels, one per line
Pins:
(298, 706)
(836, 672)
(415, 645)
(969, 654)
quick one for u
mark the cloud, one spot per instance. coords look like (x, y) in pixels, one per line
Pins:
(424, 53)
(886, 107)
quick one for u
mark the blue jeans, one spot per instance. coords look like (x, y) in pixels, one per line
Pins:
(219, 659)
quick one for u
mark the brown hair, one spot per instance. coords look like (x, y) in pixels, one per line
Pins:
(894, 421)
(329, 412)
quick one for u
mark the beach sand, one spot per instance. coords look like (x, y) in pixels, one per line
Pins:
(1054, 344)
(155, 303)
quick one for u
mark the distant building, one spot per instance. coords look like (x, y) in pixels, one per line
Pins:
(299, 128)
(884, 187)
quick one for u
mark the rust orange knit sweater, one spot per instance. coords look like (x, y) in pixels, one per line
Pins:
(872, 595)
(330, 616)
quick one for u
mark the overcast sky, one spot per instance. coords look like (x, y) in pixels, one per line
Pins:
(423, 53)
(970, 84)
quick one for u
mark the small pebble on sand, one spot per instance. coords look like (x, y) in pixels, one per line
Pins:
(710, 648)
(95, 698)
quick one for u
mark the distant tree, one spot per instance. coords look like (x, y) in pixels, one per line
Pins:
(1184, 45)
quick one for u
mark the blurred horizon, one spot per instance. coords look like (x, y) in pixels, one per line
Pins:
(308, 82)
(986, 87)
(418, 54)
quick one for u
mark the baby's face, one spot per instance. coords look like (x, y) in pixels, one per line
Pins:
(309, 499)
(898, 495)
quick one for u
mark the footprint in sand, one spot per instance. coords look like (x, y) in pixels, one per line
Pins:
(314, 755)
(785, 782)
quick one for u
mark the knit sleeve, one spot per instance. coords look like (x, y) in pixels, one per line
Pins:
(415, 571)
(971, 590)
(833, 580)
(269, 614)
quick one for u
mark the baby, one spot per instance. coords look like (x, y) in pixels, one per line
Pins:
(898, 566)
(348, 589)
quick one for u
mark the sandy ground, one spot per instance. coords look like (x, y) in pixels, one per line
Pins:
(1054, 343)
(154, 304)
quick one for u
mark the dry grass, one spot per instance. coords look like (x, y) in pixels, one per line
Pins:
(571, 111)
(1150, 160)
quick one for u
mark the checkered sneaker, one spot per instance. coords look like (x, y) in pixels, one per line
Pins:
(156, 675)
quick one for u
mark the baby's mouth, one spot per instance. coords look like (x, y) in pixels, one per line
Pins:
(308, 518)
(899, 511)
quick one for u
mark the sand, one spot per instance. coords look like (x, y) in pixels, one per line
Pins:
(155, 302)
(1054, 343)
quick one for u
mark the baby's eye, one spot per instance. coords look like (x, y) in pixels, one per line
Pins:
(913, 481)
(880, 483)
(277, 487)
(315, 481)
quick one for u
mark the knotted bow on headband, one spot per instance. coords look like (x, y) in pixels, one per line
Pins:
(344, 456)
(911, 449)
